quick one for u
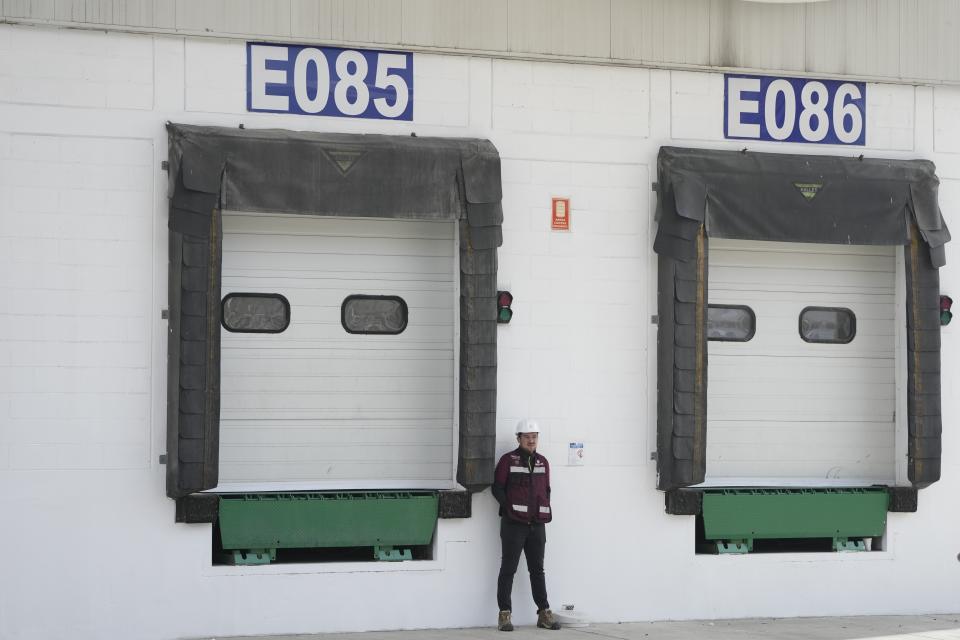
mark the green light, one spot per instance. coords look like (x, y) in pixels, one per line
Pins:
(504, 300)
(945, 316)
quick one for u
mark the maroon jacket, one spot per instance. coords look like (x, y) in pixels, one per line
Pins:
(521, 484)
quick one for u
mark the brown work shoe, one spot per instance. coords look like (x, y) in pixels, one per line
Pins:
(503, 621)
(545, 620)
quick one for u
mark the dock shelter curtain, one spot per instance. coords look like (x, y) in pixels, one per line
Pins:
(705, 194)
(326, 174)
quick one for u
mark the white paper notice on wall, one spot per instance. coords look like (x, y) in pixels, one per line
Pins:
(575, 454)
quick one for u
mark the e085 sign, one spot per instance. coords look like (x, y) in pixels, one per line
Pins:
(329, 81)
(794, 110)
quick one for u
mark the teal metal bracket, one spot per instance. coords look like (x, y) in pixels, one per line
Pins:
(735, 546)
(389, 554)
(846, 544)
(251, 556)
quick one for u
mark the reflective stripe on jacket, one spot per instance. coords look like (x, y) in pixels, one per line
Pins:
(526, 482)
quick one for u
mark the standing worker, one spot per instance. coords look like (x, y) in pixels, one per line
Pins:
(521, 484)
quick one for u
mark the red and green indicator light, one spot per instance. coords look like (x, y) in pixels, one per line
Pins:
(504, 312)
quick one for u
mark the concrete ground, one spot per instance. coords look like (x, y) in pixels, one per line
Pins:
(929, 627)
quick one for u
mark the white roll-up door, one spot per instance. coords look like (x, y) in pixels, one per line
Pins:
(781, 408)
(316, 406)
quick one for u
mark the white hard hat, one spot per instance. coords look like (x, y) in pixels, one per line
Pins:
(527, 426)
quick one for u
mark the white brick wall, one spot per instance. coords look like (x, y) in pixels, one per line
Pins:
(946, 114)
(696, 106)
(890, 117)
(110, 71)
(574, 355)
(83, 260)
(565, 99)
(441, 87)
(216, 76)
(75, 276)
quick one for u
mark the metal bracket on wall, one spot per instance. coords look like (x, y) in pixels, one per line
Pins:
(390, 554)
(846, 544)
(734, 546)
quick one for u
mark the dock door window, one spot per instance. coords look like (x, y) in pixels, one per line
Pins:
(374, 314)
(730, 323)
(255, 313)
(829, 325)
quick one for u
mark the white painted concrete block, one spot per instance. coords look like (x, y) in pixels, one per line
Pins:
(77, 68)
(946, 113)
(28, 200)
(563, 98)
(512, 119)
(169, 71)
(441, 88)
(215, 77)
(38, 148)
(82, 272)
(125, 456)
(75, 354)
(552, 173)
(546, 121)
(26, 250)
(890, 117)
(481, 73)
(79, 405)
(696, 105)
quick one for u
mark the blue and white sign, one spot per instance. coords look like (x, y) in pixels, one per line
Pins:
(794, 110)
(329, 81)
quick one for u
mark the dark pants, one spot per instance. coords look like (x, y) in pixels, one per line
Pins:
(531, 540)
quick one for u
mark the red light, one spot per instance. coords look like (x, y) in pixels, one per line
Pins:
(945, 303)
(504, 313)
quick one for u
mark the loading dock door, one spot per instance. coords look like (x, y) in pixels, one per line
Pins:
(706, 195)
(316, 404)
(783, 409)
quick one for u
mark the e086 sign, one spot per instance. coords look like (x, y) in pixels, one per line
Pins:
(794, 110)
(329, 81)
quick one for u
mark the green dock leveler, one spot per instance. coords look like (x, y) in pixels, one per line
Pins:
(254, 526)
(734, 518)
